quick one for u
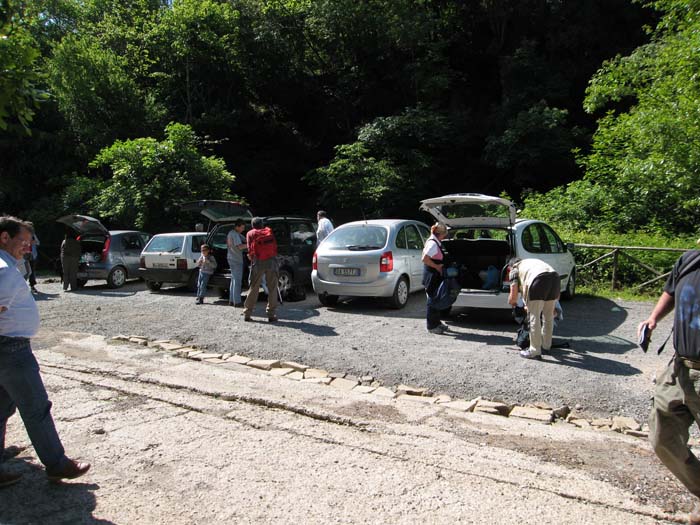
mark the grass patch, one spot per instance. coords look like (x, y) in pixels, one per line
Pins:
(624, 294)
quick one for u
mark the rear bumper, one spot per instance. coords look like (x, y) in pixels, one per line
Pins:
(382, 287)
(93, 270)
(482, 299)
(166, 275)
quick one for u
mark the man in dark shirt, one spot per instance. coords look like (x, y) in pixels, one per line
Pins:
(677, 393)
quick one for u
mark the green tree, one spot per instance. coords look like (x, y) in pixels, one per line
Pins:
(144, 180)
(644, 167)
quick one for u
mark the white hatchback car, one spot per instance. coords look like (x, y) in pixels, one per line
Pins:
(377, 258)
(171, 258)
(484, 234)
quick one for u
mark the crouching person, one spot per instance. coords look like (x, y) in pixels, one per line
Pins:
(539, 285)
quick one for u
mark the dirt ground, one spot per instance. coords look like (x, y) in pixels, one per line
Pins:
(179, 441)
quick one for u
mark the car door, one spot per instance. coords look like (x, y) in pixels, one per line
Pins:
(131, 247)
(540, 242)
(402, 256)
(303, 244)
(415, 252)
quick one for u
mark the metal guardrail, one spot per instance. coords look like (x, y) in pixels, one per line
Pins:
(616, 251)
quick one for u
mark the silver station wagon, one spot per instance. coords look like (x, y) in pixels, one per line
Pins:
(377, 258)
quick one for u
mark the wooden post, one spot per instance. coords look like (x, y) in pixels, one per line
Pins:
(614, 270)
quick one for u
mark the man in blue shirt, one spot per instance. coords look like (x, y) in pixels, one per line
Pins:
(21, 386)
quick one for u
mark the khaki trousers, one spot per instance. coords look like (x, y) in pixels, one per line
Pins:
(676, 407)
(269, 269)
(541, 330)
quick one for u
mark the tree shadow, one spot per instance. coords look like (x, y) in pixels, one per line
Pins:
(377, 306)
(308, 328)
(35, 500)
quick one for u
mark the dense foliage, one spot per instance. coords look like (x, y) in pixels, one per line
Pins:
(643, 171)
(358, 107)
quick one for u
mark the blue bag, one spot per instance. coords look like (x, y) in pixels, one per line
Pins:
(448, 291)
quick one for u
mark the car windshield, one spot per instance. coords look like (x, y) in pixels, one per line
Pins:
(359, 237)
(170, 244)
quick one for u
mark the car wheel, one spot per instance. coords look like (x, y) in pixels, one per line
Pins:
(285, 283)
(154, 286)
(400, 297)
(82, 282)
(117, 277)
(327, 299)
(570, 291)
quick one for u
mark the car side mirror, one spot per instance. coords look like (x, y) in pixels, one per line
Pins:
(570, 246)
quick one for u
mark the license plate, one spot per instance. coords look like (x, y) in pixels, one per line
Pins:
(160, 265)
(346, 271)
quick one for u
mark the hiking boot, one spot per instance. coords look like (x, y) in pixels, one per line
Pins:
(73, 469)
(531, 354)
(439, 329)
(7, 479)
(272, 319)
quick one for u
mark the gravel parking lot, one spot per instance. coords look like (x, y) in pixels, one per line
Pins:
(602, 370)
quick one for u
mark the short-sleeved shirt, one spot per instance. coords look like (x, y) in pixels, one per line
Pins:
(525, 272)
(21, 319)
(433, 248)
(686, 294)
(325, 227)
(234, 239)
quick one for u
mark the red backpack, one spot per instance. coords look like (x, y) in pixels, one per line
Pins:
(264, 244)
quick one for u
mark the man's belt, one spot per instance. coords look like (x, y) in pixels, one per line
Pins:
(690, 363)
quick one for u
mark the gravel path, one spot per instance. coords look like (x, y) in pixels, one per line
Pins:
(602, 371)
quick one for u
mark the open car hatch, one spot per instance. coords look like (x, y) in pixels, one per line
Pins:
(219, 211)
(471, 209)
(84, 225)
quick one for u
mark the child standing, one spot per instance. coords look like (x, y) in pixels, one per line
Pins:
(206, 264)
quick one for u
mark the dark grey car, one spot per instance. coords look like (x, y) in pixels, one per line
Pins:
(112, 256)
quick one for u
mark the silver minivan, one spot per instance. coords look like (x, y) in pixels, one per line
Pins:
(484, 234)
(376, 258)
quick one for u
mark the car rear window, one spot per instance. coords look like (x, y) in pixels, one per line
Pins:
(197, 241)
(170, 244)
(361, 237)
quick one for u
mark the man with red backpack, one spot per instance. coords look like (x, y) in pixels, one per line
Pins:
(262, 252)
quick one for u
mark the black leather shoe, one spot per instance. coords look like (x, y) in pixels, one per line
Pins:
(72, 470)
(7, 479)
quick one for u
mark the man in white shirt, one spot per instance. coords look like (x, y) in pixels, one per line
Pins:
(325, 226)
(21, 386)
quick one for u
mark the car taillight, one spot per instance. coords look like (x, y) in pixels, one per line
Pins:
(386, 262)
(181, 264)
(105, 250)
(142, 262)
(314, 262)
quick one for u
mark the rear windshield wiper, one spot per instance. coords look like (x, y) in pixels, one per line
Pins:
(358, 247)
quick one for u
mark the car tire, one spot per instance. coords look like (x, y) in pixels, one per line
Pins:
(570, 290)
(117, 277)
(327, 299)
(285, 284)
(153, 286)
(81, 283)
(400, 297)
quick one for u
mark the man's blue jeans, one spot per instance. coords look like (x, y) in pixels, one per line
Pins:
(21, 388)
(236, 281)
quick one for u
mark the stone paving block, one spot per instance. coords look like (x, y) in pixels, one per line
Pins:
(240, 359)
(139, 340)
(336, 375)
(312, 373)
(263, 364)
(296, 366)
(281, 371)
(343, 384)
(225, 356)
(428, 400)
(484, 405)
(636, 433)
(120, 337)
(411, 390)
(159, 341)
(384, 392)
(214, 360)
(194, 354)
(363, 389)
(209, 355)
(535, 413)
(601, 422)
(297, 376)
(367, 379)
(443, 398)
(169, 347)
(622, 423)
(579, 422)
(318, 380)
(461, 405)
